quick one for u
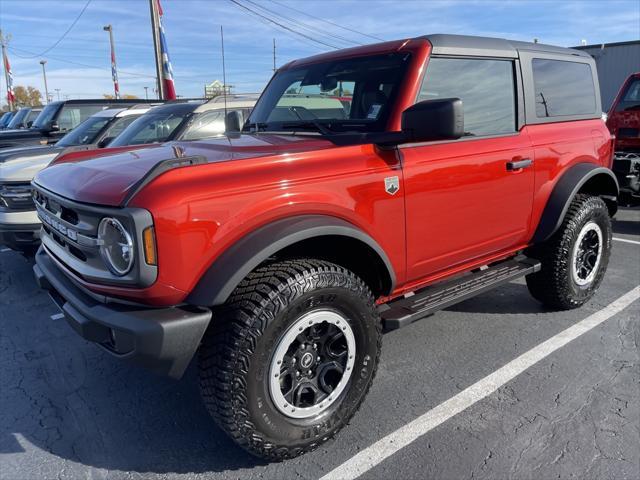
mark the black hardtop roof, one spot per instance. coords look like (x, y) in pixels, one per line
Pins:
(445, 44)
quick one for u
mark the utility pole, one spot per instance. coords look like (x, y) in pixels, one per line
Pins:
(274, 55)
(58, 92)
(44, 75)
(146, 93)
(3, 41)
(155, 21)
(114, 70)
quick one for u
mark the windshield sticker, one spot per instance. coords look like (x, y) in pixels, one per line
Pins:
(374, 111)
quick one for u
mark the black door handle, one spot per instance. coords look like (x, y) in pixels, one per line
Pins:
(518, 164)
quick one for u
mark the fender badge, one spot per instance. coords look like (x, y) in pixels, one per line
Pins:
(391, 185)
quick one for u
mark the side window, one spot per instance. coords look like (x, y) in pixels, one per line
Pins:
(563, 88)
(486, 88)
(73, 115)
(631, 98)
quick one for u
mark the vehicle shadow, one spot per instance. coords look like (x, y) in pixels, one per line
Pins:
(511, 298)
(626, 227)
(89, 408)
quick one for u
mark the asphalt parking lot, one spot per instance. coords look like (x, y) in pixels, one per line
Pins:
(69, 410)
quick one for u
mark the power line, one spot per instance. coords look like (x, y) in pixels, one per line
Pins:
(235, 2)
(305, 26)
(65, 33)
(328, 21)
(71, 62)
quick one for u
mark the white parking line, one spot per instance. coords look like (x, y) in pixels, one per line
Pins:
(618, 239)
(387, 446)
(57, 316)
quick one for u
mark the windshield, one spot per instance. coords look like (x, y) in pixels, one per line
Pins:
(6, 118)
(150, 128)
(85, 133)
(19, 118)
(46, 115)
(631, 98)
(211, 123)
(354, 94)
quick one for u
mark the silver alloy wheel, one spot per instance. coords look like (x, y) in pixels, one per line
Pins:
(586, 255)
(312, 364)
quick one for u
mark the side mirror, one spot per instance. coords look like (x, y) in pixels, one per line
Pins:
(232, 122)
(29, 123)
(54, 127)
(440, 119)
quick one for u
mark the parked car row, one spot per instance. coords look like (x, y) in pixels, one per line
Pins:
(367, 189)
(131, 125)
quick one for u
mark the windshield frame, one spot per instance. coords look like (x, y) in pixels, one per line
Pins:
(329, 126)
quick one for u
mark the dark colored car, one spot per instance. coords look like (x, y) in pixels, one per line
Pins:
(369, 188)
(623, 121)
(57, 119)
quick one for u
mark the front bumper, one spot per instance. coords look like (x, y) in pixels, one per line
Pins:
(22, 237)
(626, 166)
(163, 340)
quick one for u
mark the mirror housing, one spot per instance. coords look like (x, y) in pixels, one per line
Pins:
(53, 126)
(232, 122)
(429, 120)
(29, 123)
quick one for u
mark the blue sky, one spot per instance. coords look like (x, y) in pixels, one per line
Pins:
(193, 36)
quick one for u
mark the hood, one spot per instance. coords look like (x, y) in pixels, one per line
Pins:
(112, 178)
(18, 153)
(22, 168)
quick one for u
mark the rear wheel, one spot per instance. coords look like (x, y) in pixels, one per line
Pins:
(290, 357)
(575, 258)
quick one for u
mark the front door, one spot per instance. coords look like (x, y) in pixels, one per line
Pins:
(469, 198)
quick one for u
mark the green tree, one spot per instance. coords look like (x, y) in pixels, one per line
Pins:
(27, 96)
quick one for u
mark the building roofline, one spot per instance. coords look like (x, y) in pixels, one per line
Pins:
(605, 45)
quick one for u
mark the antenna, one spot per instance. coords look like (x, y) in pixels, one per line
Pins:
(274, 54)
(224, 73)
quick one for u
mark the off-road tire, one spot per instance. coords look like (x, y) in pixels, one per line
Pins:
(236, 352)
(554, 285)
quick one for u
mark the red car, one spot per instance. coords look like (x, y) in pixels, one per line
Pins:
(623, 121)
(279, 254)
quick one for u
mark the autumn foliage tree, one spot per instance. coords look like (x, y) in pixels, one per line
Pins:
(27, 97)
(126, 96)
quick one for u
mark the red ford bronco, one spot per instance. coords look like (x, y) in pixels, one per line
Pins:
(369, 188)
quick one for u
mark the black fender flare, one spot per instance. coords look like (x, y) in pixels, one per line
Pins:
(565, 189)
(233, 265)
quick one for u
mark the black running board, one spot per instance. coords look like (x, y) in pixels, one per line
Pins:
(402, 312)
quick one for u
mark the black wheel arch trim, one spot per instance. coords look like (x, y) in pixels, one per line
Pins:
(233, 265)
(564, 191)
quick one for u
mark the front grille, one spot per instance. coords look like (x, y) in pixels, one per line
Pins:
(70, 233)
(16, 196)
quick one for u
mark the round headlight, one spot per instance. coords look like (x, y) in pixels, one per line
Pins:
(116, 246)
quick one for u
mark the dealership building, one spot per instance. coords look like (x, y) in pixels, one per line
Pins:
(615, 61)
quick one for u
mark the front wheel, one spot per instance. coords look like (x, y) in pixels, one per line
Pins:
(290, 357)
(575, 258)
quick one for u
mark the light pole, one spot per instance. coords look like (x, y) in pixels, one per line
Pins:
(114, 70)
(146, 93)
(44, 75)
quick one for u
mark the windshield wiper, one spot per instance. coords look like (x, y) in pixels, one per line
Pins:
(255, 127)
(308, 124)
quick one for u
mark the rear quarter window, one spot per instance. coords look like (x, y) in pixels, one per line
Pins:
(563, 88)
